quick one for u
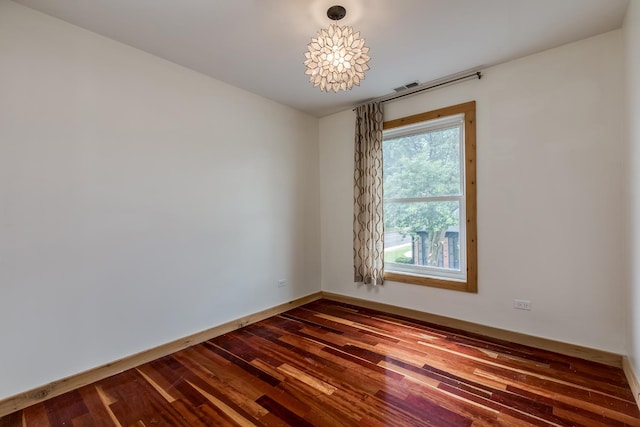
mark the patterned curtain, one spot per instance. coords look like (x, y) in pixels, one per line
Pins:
(368, 227)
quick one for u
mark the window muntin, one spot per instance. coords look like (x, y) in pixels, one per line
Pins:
(429, 214)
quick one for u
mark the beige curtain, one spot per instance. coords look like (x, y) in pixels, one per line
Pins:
(368, 227)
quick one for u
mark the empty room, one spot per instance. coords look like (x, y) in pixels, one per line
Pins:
(319, 213)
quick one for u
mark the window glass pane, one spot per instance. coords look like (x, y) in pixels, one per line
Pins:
(422, 165)
(423, 233)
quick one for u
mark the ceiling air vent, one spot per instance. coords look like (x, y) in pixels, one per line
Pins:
(405, 87)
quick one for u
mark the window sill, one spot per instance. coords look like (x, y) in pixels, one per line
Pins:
(467, 286)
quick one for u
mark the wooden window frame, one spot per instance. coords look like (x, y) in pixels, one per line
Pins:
(471, 282)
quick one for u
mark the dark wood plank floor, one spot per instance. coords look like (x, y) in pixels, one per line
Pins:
(330, 364)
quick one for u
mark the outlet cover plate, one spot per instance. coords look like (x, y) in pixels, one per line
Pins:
(522, 304)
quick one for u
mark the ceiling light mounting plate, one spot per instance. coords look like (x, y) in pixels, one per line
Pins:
(336, 12)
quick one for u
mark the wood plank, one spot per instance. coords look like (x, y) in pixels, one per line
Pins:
(319, 385)
(237, 417)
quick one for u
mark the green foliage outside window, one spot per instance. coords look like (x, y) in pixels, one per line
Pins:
(421, 166)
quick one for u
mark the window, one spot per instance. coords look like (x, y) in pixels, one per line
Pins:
(430, 199)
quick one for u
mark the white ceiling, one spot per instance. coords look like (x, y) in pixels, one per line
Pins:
(259, 45)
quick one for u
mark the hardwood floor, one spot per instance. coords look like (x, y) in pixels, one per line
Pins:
(331, 364)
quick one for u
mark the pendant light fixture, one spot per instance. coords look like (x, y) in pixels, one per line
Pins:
(337, 57)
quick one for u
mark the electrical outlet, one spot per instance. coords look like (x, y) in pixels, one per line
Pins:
(282, 283)
(522, 304)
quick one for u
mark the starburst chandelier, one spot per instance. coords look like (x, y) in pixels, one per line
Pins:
(337, 57)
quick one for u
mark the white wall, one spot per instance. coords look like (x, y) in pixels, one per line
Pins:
(551, 197)
(632, 50)
(139, 201)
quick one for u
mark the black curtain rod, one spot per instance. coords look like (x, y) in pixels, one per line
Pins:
(477, 74)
